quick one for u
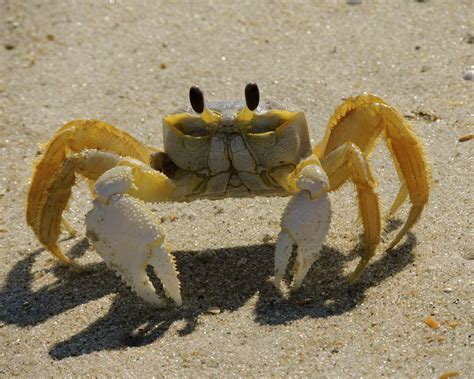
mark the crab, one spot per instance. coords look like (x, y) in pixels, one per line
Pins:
(217, 150)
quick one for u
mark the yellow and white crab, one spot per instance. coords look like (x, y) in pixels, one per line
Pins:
(211, 152)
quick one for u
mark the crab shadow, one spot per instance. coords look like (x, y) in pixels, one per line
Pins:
(222, 278)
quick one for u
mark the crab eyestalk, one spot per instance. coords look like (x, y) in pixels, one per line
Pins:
(252, 98)
(196, 98)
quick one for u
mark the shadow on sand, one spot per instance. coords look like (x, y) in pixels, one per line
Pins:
(223, 278)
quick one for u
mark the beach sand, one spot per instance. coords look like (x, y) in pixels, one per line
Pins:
(131, 62)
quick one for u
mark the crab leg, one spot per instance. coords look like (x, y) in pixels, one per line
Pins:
(348, 162)
(125, 232)
(411, 163)
(54, 173)
(399, 200)
(361, 120)
(47, 226)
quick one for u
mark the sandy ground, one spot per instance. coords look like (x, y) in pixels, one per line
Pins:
(129, 63)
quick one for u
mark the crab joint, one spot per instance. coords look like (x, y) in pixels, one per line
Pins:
(196, 98)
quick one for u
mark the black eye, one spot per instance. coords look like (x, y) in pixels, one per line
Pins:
(252, 96)
(196, 98)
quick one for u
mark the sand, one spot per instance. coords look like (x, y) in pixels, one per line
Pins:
(131, 62)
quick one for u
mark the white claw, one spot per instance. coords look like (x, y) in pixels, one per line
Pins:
(305, 224)
(165, 268)
(127, 237)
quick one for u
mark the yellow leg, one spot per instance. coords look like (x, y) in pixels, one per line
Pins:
(75, 137)
(401, 197)
(347, 162)
(353, 121)
(54, 200)
(361, 120)
(411, 164)
(54, 173)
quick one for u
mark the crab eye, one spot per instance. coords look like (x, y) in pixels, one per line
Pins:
(196, 98)
(252, 96)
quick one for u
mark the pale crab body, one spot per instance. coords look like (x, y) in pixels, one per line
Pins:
(231, 159)
(226, 149)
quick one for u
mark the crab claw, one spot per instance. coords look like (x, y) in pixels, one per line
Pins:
(127, 237)
(305, 224)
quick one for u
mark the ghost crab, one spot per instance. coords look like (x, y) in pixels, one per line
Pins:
(224, 149)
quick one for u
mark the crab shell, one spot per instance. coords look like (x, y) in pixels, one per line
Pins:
(231, 156)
